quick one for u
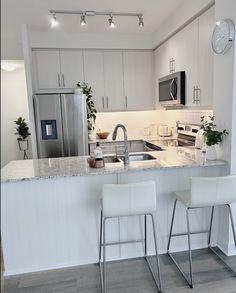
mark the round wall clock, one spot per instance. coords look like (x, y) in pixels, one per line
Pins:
(223, 36)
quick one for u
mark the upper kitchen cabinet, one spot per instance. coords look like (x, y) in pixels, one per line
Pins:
(139, 80)
(186, 49)
(205, 58)
(114, 81)
(56, 69)
(190, 51)
(47, 69)
(72, 69)
(94, 76)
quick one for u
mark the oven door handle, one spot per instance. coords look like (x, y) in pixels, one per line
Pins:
(171, 84)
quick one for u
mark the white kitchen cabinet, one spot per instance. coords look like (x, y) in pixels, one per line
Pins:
(191, 50)
(94, 76)
(47, 69)
(72, 69)
(186, 45)
(114, 80)
(139, 80)
(205, 58)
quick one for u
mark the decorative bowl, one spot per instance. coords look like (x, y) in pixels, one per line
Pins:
(103, 135)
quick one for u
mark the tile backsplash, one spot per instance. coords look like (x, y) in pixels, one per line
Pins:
(136, 122)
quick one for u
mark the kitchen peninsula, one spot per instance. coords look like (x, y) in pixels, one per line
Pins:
(50, 208)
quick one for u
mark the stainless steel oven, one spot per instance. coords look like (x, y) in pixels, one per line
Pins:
(172, 89)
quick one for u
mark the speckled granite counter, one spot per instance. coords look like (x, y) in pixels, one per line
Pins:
(174, 157)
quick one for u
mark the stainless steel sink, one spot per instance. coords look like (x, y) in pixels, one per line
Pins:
(111, 159)
(141, 157)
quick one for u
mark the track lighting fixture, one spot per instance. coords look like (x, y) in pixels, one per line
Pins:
(82, 20)
(111, 22)
(140, 22)
(54, 21)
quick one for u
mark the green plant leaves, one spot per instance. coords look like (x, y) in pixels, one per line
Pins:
(91, 116)
(212, 135)
(22, 129)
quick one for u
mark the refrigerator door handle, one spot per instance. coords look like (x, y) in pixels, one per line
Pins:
(65, 130)
(62, 129)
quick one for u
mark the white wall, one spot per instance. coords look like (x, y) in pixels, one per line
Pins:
(182, 15)
(224, 79)
(13, 104)
(90, 40)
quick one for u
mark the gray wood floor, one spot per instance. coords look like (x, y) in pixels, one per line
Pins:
(130, 276)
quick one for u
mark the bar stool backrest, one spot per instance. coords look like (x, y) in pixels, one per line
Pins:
(128, 199)
(212, 191)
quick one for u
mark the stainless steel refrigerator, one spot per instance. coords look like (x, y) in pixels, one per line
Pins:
(61, 125)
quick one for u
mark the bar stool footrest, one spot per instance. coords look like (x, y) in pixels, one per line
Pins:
(178, 267)
(222, 260)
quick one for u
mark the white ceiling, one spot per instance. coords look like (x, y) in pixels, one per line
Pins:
(35, 13)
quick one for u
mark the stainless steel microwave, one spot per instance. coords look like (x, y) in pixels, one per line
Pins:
(172, 89)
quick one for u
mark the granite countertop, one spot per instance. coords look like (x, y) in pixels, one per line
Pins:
(173, 157)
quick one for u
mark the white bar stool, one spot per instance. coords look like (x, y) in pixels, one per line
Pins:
(125, 200)
(204, 192)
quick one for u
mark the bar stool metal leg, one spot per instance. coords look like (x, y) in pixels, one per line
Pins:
(234, 235)
(189, 249)
(156, 280)
(232, 224)
(190, 282)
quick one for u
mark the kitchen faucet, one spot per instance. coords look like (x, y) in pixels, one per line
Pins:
(126, 153)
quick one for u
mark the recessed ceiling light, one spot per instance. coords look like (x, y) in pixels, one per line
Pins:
(111, 22)
(8, 66)
(82, 20)
(54, 21)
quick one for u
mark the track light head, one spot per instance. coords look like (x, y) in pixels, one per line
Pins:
(82, 20)
(54, 21)
(140, 21)
(111, 22)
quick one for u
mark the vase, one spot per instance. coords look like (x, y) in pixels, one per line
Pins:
(91, 135)
(211, 153)
(23, 145)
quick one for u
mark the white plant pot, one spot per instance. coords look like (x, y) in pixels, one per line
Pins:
(211, 153)
(23, 145)
(91, 135)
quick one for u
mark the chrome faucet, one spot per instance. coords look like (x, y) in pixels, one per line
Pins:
(126, 153)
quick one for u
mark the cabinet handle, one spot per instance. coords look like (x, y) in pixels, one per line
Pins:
(198, 90)
(59, 80)
(194, 91)
(170, 64)
(126, 102)
(107, 103)
(173, 65)
(103, 105)
(63, 80)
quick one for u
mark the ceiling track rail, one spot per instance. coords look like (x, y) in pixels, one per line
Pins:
(93, 13)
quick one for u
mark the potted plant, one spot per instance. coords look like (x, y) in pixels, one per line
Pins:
(22, 130)
(212, 136)
(91, 111)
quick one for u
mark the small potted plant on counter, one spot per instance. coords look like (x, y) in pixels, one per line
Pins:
(22, 130)
(91, 111)
(212, 137)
